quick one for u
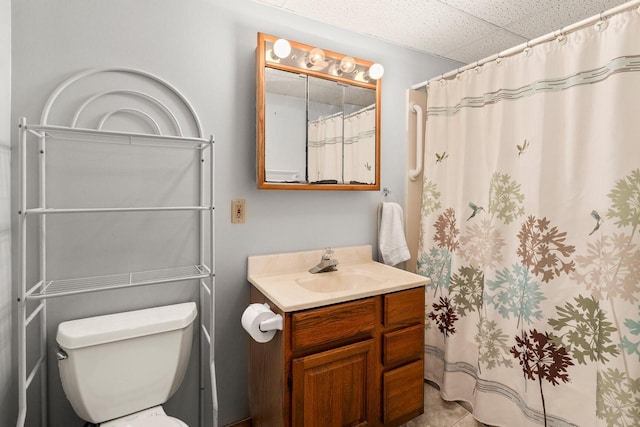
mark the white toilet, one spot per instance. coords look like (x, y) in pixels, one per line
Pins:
(117, 370)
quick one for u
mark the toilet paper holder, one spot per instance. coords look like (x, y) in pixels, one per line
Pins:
(273, 324)
(261, 323)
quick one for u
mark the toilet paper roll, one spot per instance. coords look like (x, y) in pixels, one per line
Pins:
(251, 319)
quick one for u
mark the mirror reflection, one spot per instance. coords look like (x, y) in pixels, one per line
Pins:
(285, 126)
(316, 130)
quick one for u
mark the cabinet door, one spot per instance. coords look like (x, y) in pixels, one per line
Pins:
(403, 392)
(335, 387)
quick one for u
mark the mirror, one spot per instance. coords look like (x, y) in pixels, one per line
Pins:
(317, 120)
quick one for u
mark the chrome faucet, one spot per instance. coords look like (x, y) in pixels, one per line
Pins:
(327, 263)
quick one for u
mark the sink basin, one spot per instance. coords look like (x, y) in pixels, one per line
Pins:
(336, 281)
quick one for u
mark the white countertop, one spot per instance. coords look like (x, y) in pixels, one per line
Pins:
(279, 276)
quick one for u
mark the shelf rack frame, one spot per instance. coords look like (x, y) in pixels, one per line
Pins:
(45, 288)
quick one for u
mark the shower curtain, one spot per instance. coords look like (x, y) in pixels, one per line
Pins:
(360, 146)
(530, 232)
(324, 151)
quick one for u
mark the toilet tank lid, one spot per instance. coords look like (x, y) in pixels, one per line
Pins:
(121, 326)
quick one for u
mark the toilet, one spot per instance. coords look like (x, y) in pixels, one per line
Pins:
(117, 370)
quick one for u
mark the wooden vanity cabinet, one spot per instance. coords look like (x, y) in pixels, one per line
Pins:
(357, 363)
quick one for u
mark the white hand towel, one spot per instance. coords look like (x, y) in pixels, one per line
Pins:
(391, 239)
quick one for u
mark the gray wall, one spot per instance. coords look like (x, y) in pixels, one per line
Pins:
(207, 50)
(7, 394)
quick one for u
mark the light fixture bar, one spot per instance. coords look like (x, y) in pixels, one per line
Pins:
(312, 60)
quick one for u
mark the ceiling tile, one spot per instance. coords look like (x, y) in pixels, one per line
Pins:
(423, 25)
(501, 12)
(463, 30)
(444, 28)
(490, 45)
(560, 15)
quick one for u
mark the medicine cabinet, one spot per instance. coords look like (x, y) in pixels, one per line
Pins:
(318, 118)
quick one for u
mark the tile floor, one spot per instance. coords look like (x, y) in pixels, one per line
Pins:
(440, 413)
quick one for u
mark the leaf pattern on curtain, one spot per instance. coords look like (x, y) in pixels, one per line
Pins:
(505, 198)
(436, 264)
(467, 288)
(626, 202)
(541, 249)
(515, 293)
(482, 245)
(444, 315)
(629, 346)
(446, 231)
(580, 331)
(541, 359)
(430, 196)
(587, 334)
(610, 268)
(493, 347)
(617, 398)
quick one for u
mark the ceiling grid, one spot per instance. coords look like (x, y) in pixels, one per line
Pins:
(461, 30)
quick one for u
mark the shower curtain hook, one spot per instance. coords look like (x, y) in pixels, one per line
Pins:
(602, 23)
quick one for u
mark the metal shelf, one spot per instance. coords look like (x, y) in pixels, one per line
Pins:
(52, 211)
(63, 134)
(60, 288)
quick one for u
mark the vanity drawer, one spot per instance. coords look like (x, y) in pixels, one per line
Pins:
(404, 308)
(322, 326)
(402, 345)
(403, 392)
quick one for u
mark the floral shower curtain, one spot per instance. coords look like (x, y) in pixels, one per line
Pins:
(360, 146)
(530, 232)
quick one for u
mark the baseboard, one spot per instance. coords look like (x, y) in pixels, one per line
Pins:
(242, 423)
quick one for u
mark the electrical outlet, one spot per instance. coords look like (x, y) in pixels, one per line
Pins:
(237, 211)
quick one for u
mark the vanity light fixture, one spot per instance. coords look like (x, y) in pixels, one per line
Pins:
(375, 71)
(347, 65)
(281, 49)
(315, 57)
(293, 56)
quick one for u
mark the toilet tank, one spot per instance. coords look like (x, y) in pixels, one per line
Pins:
(122, 363)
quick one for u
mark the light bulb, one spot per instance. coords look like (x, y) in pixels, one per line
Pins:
(281, 48)
(316, 56)
(347, 64)
(376, 71)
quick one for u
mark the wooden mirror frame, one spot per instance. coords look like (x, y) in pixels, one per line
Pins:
(261, 64)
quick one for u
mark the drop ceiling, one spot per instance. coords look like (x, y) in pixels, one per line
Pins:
(462, 30)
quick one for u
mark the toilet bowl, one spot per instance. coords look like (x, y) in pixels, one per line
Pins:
(152, 417)
(118, 369)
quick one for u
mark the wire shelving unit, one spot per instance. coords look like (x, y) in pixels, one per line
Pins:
(32, 299)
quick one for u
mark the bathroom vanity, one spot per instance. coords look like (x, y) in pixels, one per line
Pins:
(351, 350)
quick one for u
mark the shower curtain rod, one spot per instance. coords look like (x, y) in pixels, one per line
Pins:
(339, 113)
(362, 110)
(519, 48)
